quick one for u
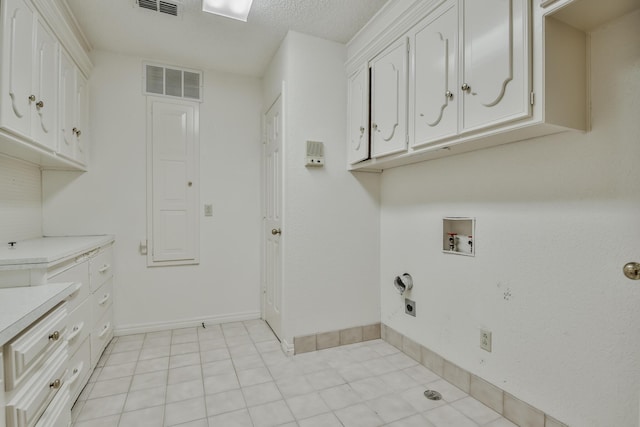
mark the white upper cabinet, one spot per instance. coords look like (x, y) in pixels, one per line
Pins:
(359, 115)
(43, 93)
(495, 70)
(389, 78)
(433, 88)
(481, 73)
(29, 75)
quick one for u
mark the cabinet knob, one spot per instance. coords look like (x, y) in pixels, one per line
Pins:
(465, 87)
(361, 130)
(56, 384)
(54, 336)
(40, 104)
(276, 231)
(76, 131)
(448, 94)
(32, 98)
(374, 126)
(190, 184)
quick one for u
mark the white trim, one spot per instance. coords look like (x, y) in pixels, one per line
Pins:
(286, 347)
(142, 328)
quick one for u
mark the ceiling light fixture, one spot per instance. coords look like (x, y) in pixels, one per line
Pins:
(235, 9)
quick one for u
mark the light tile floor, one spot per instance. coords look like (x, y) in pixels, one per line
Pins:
(236, 375)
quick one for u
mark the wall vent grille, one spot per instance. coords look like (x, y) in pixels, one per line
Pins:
(173, 82)
(166, 7)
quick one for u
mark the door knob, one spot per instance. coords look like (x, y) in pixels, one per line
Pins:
(276, 231)
(632, 270)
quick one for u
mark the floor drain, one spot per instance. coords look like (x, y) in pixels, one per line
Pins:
(432, 395)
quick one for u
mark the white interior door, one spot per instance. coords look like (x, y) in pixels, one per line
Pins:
(174, 226)
(273, 217)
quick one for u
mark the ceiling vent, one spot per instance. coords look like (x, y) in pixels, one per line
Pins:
(167, 7)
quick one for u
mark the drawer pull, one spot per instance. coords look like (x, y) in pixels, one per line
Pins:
(105, 330)
(104, 299)
(76, 373)
(56, 384)
(104, 268)
(75, 331)
(54, 336)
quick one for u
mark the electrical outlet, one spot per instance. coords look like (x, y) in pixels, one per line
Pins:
(485, 340)
(410, 307)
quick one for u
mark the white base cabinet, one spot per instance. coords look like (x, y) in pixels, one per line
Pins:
(67, 342)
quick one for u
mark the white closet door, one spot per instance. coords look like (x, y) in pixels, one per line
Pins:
(173, 145)
(389, 78)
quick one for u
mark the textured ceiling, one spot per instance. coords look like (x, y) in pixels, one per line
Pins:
(202, 40)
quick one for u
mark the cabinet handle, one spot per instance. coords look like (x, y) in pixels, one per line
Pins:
(104, 268)
(76, 331)
(54, 336)
(56, 384)
(465, 87)
(32, 98)
(40, 104)
(104, 299)
(448, 94)
(76, 373)
(105, 330)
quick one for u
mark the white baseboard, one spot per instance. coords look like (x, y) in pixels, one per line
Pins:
(185, 323)
(286, 347)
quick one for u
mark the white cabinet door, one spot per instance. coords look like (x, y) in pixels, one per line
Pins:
(389, 89)
(45, 87)
(433, 90)
(82, 119)
(495, 72)
(67, 116)
(17, 63)
(359, 115)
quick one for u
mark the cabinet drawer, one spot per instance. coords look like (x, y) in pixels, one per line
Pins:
(102, 300)
(24, 409)
(58, 413)
(79, 369)
(101, 335)
(79, 325)
(28, 350)
(79, 273)
(101, 268)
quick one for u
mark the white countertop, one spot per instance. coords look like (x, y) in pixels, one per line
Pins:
(46, 250)
(19, 307)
